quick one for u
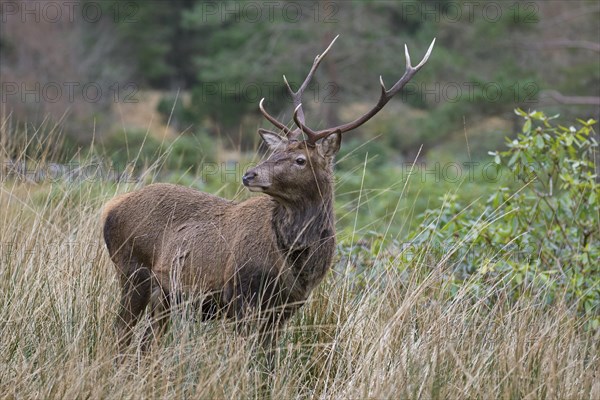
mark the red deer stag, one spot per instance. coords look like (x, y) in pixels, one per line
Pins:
(261, 257)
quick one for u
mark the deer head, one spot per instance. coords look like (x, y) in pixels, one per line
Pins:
(295, 168)
(303, 157)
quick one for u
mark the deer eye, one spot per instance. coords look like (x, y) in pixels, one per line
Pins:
(300, 160)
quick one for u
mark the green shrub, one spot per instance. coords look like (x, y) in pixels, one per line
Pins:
(542, 235)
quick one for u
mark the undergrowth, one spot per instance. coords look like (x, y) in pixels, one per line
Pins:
(488, 298)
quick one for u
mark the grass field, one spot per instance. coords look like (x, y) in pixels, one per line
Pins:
(397, 328)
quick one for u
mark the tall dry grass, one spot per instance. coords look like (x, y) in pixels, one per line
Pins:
(397, 334)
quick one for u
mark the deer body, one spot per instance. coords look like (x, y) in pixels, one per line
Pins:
(261, 257)
(217, 245)
(266, 253)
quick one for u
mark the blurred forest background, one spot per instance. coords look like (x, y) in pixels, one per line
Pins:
(467, 210)
(110, 68)
(180, 81)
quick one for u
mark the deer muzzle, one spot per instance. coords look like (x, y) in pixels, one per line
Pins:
(251, 181)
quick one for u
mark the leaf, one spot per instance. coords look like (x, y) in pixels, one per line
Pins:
(496, 156)
(537, 115)
(539, 141)
(513, 159)
(569, 140)
(527, 126)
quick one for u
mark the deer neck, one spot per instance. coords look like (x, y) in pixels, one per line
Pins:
(304, 224)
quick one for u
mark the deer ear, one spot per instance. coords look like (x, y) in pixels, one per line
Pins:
(272, 140)
(329, 146)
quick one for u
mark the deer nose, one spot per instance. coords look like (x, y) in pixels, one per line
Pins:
(248, 177)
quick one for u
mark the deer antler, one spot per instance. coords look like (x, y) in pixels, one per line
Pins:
(384, 98)
(296, 98)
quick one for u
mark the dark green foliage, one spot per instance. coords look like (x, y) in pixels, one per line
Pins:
(542, 232)
(154, 42)
(179, 116)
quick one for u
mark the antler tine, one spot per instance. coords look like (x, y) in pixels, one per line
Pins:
(300, 123)
(384, 97)
(297, 96)
(410, 70)
(272, 119)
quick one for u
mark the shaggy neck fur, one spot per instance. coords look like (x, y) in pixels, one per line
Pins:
(305, 224)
